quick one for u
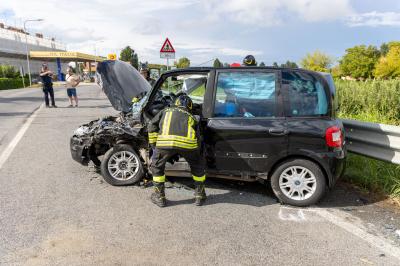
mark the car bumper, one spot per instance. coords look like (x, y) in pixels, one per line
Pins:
(79, 151)
(335, 165)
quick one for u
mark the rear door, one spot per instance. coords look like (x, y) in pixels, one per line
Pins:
(246, 131)
(308, 108)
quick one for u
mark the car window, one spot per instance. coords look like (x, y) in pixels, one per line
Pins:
(307, 96)
(245, 94)
(193, 85)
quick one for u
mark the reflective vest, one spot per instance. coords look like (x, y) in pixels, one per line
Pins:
(173, 128)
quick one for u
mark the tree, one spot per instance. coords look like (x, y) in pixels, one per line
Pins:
(317, 61)
(389, 65)
(359, 61)
(129, 55)
(262, 64)
(183, 62)
(275, 64)
(384, 49)
(290, 64)
(217, 63)
(226, 65)
(336, 72)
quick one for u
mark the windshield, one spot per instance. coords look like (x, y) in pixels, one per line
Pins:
(193, 85)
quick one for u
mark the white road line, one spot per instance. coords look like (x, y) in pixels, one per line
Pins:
(376, 241)
(7, 152)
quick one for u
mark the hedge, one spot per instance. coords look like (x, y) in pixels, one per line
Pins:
(12, 83)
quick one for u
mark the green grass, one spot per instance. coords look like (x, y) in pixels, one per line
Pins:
(373, 175)
(371, 101)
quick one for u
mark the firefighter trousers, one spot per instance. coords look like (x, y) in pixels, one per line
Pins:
(194, 158)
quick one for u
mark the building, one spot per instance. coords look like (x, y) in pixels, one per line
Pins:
(13, 49)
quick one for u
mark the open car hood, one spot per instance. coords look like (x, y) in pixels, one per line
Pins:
(121, 82)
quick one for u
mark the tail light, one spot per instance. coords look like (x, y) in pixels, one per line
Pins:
(334, 137)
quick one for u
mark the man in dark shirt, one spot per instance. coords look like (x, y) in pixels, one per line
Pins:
(47, 81)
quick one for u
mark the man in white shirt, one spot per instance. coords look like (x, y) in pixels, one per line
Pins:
(71, 83)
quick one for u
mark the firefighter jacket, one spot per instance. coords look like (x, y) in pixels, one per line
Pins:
(174, 128)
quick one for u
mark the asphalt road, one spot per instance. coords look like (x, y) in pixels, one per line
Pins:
(54, 211)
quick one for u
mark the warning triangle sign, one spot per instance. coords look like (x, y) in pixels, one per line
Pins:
(167, 47)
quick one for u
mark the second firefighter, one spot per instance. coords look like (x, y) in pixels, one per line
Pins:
(175, 131)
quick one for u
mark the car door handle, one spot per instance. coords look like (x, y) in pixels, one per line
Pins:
(278, 131)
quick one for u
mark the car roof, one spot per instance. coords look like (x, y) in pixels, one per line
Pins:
(206, 69)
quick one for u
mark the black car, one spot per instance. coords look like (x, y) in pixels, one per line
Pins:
(258, 124)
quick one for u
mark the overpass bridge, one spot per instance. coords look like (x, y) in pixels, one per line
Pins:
(13, 43)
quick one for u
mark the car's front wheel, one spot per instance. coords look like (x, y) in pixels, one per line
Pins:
(298, 182)
(121, 165)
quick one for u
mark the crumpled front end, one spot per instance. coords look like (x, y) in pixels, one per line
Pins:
(95, 138)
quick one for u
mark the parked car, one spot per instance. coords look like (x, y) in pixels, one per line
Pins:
(274, 125)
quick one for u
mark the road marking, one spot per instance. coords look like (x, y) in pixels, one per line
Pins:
(286, 214)
(10, 148)
(376, 241)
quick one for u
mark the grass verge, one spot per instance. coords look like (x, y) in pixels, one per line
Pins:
(373, 175)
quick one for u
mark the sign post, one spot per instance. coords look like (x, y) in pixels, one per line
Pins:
(167, 51)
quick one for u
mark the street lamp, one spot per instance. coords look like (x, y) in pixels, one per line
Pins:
(26, 46)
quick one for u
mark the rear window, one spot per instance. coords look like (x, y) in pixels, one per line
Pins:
(307, 96)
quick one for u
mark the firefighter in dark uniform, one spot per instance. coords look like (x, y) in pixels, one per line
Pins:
(249, 61)
(175, 131)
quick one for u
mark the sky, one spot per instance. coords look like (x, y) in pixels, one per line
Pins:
(202, 30)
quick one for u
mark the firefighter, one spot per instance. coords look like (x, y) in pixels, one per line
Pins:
(249, 61)
(174, 131)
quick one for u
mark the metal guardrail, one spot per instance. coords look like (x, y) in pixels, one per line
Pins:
(378, 141)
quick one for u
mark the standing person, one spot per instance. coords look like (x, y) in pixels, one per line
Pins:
(175, 131)
(71, 83)
(47, 80)
(145, 72)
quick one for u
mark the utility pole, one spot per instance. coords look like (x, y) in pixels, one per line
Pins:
(26, 46)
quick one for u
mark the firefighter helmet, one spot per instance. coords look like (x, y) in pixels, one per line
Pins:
(184, 101)
(249, 61)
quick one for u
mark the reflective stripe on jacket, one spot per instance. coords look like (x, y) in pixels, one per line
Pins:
(173, 128)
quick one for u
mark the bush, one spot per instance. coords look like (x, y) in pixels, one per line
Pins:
(8, 72)
(12, 83)
(371, 101)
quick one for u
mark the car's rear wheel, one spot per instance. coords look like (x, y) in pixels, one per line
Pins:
(121, 165)
(298, 182)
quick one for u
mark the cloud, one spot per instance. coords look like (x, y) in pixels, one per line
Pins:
(199, 29)
(261, 13)
(374, 19)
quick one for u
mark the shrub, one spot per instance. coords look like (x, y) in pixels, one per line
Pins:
(12, 83)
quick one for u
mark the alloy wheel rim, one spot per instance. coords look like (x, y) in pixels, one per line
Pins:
(297, 183)
(123, 165)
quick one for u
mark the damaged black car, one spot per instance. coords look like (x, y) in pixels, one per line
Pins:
(264, 124)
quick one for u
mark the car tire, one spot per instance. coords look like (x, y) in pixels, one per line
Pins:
(122, 166)
(298, 182)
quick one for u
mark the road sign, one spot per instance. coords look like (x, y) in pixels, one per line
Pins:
(112, 56)
(167, 51)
